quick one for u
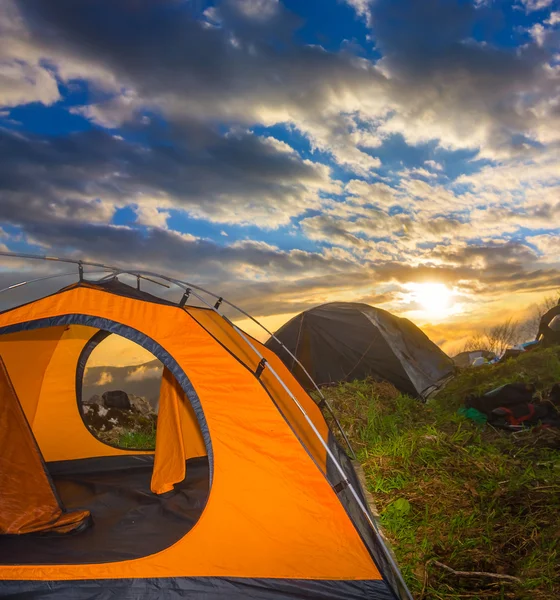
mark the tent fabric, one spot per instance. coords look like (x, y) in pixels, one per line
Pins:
(25, 352)
(51, 354)
(273, 513)
(28, 500)
(344, 341)
(230, 340)
(206, 588)
(178, 437)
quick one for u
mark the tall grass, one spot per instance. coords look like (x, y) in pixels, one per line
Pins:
(468, 496)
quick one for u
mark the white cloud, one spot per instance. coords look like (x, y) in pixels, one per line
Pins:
(378, 194)
(434, 165)
(104, 379)
(145, 372)
(259, 10)
(22, 83)
(548, 245)
(111, 113)
(533, 5)
(279, 145)
(360, 6)
(151, 216)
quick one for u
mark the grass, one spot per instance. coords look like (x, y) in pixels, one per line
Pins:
(141, 435)
(138, 440)
(469, 496)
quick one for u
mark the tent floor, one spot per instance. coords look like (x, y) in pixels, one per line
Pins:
(129, 521)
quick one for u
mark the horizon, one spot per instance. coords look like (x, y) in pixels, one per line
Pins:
(287, 154)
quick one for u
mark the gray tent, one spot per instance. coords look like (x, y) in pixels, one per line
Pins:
(344, 341)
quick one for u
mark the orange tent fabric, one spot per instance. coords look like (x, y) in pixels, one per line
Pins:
(274, 512)
(28, 503)
(227, 336)
(177, 438)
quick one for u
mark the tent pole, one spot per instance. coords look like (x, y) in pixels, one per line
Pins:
(22, 283)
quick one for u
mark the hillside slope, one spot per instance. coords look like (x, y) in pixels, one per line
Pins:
(468, 496)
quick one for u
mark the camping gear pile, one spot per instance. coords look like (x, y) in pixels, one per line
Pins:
(474, 358)
(346, 341)
(247, 494)
(548, 335)
(515, 406)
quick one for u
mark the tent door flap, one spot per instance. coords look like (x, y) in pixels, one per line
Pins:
(29, 502)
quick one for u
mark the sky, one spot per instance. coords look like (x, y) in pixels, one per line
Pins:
(400, 153)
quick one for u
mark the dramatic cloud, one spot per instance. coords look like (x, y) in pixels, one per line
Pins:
(433, 82)
(287, 168)
(236, 179)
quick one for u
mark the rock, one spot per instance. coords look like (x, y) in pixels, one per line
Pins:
(140, 405)
(100, 418)
(95, 399)
(116, 399)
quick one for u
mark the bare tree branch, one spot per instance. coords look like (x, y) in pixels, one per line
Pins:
(508, 578)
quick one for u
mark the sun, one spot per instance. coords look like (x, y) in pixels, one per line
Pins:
(435, 299)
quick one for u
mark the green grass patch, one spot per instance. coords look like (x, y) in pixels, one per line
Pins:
(138, 440)
(138, 434)
(466, 495)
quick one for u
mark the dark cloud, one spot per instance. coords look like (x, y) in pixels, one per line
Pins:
(444, 75)
(172, 252)
(164, 52)
(239, 178)
(494, 281)
(493, 256)
(240, 63)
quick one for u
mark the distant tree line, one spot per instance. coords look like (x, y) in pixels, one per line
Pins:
(500, 337)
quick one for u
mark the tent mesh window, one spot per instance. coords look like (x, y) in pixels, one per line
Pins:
(117, 388)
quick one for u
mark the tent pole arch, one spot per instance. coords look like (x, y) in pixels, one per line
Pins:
(180, 283)
(187, 285)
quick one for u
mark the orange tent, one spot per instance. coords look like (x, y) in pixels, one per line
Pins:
(247, 494)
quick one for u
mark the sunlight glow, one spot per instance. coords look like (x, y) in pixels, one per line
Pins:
(435, 299)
